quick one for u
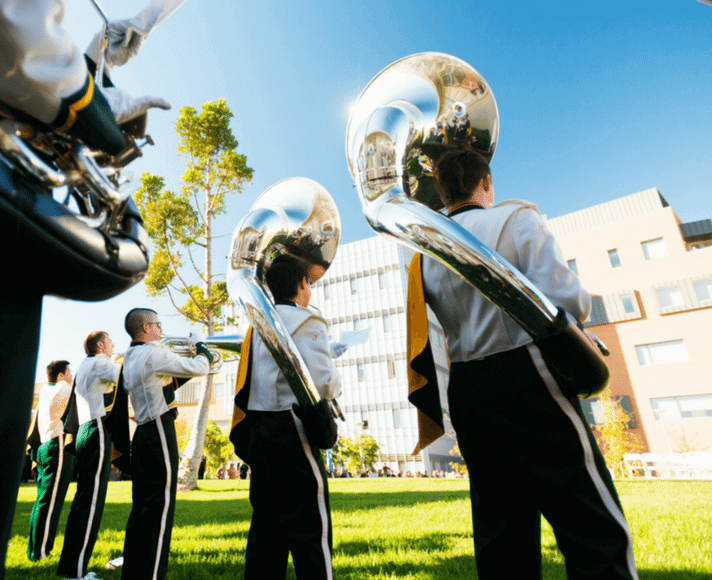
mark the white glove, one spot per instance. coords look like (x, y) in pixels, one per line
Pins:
(196, 336)
(337, 349)
(124, 42)
(126, 107)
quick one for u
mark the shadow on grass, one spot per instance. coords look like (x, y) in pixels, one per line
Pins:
(355, 501)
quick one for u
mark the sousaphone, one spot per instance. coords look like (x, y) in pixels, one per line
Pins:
(297, 216)
(433, 97)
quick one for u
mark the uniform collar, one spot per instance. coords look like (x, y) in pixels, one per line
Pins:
(463, 208)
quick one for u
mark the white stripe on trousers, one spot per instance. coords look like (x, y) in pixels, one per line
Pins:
(320, 496)
(166, 494)
(591, 468)
(94, 498)
(57, 480)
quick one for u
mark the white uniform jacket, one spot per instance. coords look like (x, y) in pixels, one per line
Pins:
(148, 368)
(97, 376)
(517, 232)
(53, 400)
(39, 63)
(269, 390)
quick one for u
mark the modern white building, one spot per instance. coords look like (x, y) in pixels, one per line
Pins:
(365, 287)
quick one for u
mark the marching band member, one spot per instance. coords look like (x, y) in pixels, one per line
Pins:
(54, 465)
(280, 440)
(46, 82)
(97, 414)
(151, 373)
(527, 446)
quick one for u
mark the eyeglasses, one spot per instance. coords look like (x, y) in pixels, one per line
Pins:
(158, 324)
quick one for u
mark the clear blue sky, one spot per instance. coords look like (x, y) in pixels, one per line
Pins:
(597, 100)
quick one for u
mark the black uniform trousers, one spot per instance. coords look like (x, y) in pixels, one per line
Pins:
(54, 472)
(93, 450)
(20, 317)
(290, 501)
(529, 451)
(154, 473)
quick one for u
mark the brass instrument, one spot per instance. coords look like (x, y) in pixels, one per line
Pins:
(222, 348)
(434, 97)
(71, 207)
(298, 216)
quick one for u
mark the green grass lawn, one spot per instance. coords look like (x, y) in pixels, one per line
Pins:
(383, 528)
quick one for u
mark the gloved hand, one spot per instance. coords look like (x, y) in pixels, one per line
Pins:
(126, 107)
(196, 336)
(319, 424)
(337, 349)
(124, 42)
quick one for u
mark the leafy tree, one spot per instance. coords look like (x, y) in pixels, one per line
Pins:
(217, 448)
(459, 466)
(181, 228)
(616, 439)
(182, 434)
(350, 452)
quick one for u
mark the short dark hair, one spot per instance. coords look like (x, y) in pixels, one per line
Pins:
(56, 368)
(133, 323)
(92, 340)
(284, 276)
(458, 170)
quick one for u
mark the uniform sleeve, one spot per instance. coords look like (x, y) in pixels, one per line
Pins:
(44, 75)
(40, 64)
(542, 262)
(312, 341)
(167, 363)
(107, 371)
(60, 400)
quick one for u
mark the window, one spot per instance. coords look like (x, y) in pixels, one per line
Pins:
(219, 390)
(396, 418)
(382, 281)
(391, 369)
(593, 410)
(364, 419)
(661, 353)
(670, 296)
(360, 372)
(703, 289)
(386, 323)
(326, 291)
(691, 407)
(628, 303)
(613, 257)
(353, 285)
(572, 266)
(654, 249)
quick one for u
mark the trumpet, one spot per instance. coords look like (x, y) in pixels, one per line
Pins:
(222, 348)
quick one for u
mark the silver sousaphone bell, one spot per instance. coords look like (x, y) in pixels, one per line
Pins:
(434, 97)
(297, 216)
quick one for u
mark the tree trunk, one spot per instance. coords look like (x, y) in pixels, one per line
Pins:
(188, 470)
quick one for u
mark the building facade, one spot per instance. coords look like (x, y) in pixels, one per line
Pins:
(651, 280)
(365, 288)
